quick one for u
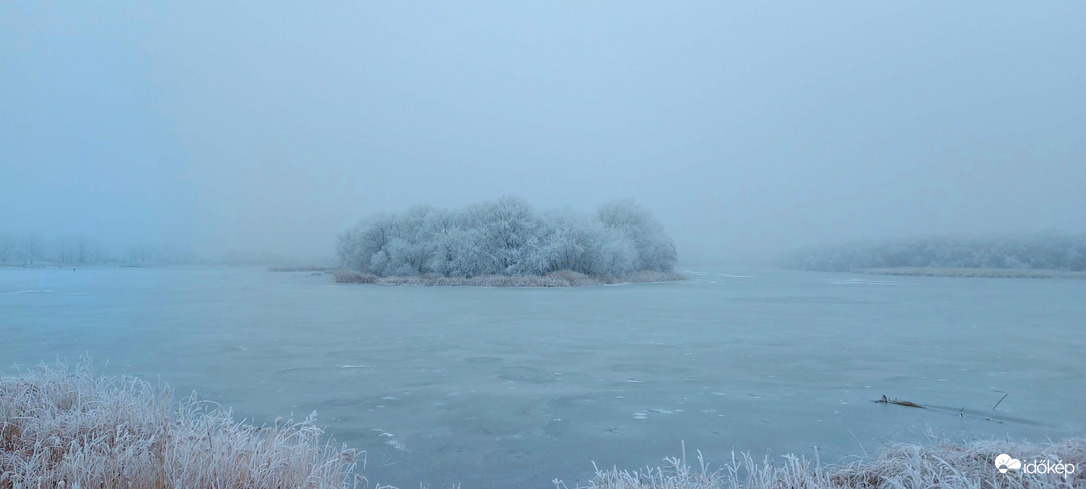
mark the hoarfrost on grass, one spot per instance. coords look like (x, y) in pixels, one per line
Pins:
(940, 464)
(64, 427)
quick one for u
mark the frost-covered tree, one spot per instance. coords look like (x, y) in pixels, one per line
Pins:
(360, 245)
(350, 250)
(655, 250)
(32, 249)
(79, 249)
(584, 244)
(460, 252)
(9, 248)
(512, 234)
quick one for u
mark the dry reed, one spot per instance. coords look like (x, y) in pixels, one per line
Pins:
(561, 278)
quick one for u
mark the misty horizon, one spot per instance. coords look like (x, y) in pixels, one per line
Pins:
(264, 129)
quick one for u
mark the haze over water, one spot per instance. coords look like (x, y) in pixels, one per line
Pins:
(747, 129)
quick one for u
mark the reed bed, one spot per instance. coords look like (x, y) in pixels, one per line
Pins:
(561, 278)
(68, 427)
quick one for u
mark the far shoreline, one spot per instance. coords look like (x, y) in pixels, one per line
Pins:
(973, 272)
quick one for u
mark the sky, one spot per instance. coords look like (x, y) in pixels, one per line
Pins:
(747, 128)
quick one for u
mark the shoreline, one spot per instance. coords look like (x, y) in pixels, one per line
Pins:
(562, 278)
(973, 272)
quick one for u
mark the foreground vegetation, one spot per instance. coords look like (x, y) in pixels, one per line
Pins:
(508, 238)
(907, 466)
(1043, 251)
(62, 427)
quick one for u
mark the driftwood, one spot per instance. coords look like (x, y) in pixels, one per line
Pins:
(899, 402)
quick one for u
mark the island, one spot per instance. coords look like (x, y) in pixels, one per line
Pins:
(507, 243)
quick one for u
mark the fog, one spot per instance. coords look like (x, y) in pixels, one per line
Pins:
(747, 130)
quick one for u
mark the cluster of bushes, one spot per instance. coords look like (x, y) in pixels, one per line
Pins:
(1047, 251)
(507, 238)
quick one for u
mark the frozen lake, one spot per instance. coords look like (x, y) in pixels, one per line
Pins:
(499, 388)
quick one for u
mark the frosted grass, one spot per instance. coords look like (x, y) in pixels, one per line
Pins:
(940, 464)
(65, 427)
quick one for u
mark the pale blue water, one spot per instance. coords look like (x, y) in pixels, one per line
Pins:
(500, 388)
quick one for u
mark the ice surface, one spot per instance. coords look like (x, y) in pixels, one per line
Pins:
(497, 387)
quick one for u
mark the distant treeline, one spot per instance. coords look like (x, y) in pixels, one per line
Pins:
(508, 237)
(1048, 251)
(33, 250)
